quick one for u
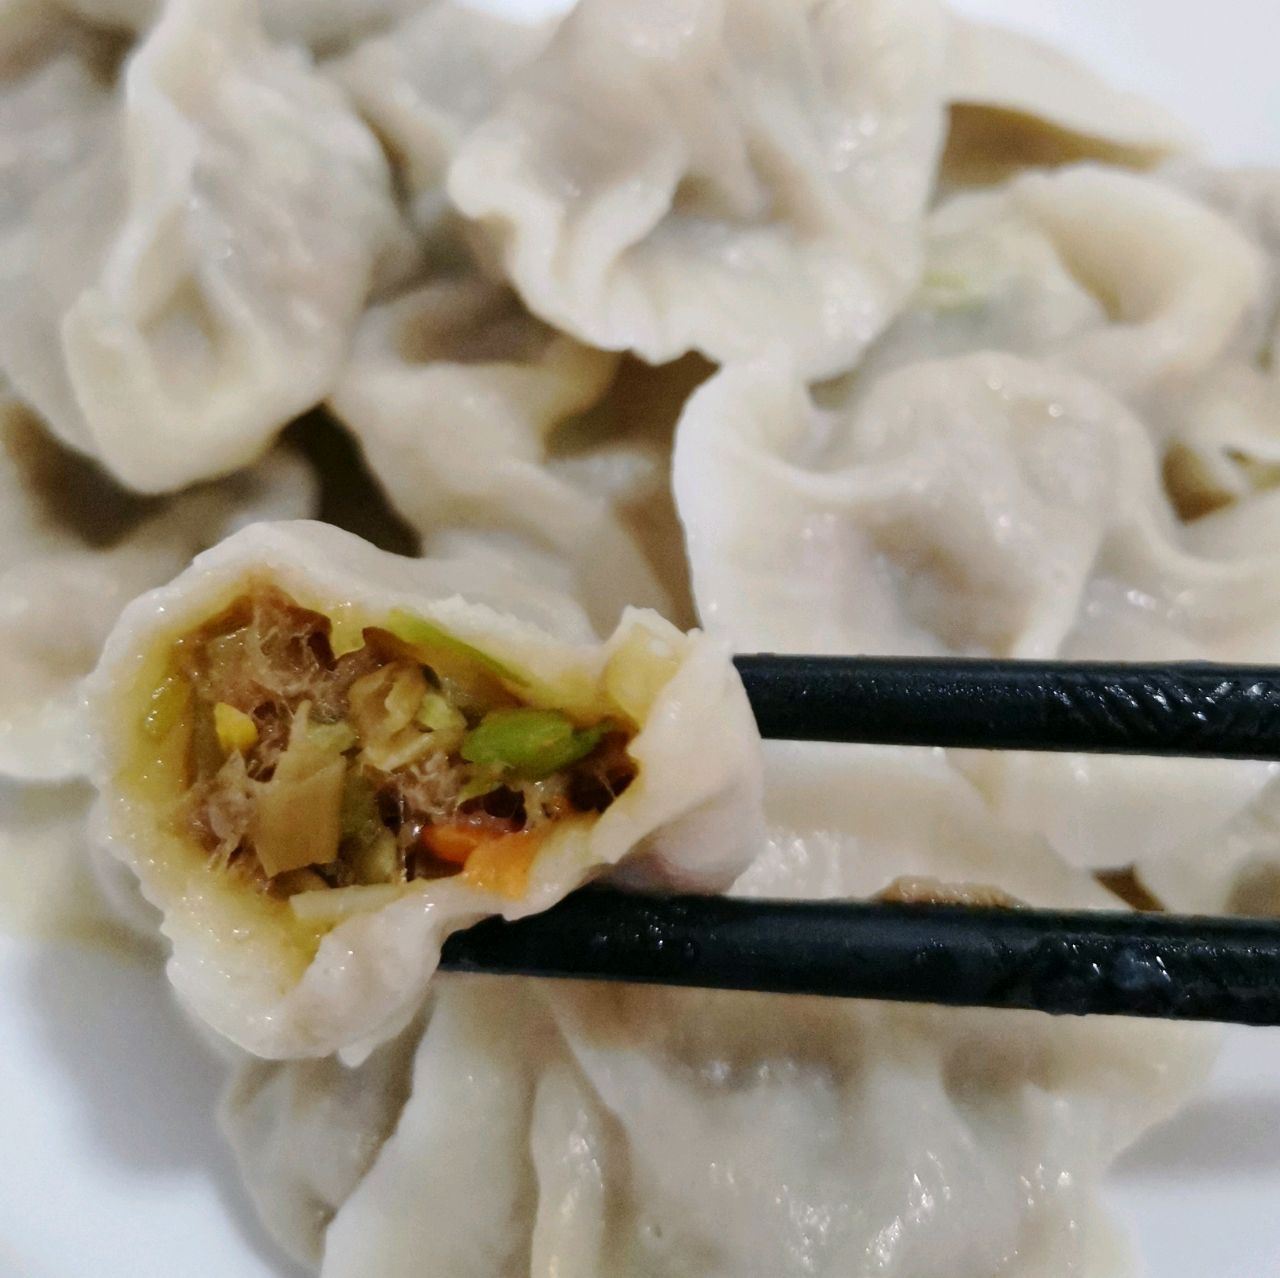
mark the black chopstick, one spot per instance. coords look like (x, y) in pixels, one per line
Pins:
(1189, 708)
(1075, 963)
(1062, 962)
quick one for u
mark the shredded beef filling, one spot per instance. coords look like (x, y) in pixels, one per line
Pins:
(312, 770)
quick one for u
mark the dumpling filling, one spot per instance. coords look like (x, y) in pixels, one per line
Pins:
(322, 757)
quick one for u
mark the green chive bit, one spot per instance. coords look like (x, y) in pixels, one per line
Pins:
(330, 738)
(427, 636)
(436, 713)
(534, 743)
(359, 813)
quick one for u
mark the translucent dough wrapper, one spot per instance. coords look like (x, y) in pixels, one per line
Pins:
(282, 985)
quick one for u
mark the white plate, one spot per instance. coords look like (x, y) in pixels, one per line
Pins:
(112, 1164)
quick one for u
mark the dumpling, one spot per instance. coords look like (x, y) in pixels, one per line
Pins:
(984, 505)
(1016, 103)
(668, 1132)
(74, 549)
(324, 26)
(49, 888)
(1227, 422)
(191, 282)
(304, 1132)
(954, 505)
(1143, 282)
(664, 1133)
(1114, 274)
(424, 81)
(320, 759)
(718, 177)
(754, 1140)
(455, 393)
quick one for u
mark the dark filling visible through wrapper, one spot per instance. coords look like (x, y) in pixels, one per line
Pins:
(410, 756)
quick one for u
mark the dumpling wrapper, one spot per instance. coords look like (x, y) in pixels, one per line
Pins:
(1016, 103)
(304, 1133)
(689, 818)
(661, 1132)
(191, 282)
(1116, 275)
(1229, 421)
(715, 176)
(73, 551)
(424, 81)
(325, 26)
(455, 393)
(55, 110)
(987, 505)
(54, 886)
(1162, 286)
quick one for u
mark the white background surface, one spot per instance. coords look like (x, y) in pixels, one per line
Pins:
(111, 1164)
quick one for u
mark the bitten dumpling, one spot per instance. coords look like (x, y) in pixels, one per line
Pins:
(320, 759)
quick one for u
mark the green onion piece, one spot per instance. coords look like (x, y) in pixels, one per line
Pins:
(378, 861)
(438, 715)
(330, 738)
(346, 633)
(422, 634)
(534, 743)
(359, 813)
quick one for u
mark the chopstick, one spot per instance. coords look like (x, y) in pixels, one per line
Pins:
(1189, 708)
(1062, 962)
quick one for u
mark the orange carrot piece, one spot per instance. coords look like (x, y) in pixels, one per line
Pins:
(455, 843)
(502, 865)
